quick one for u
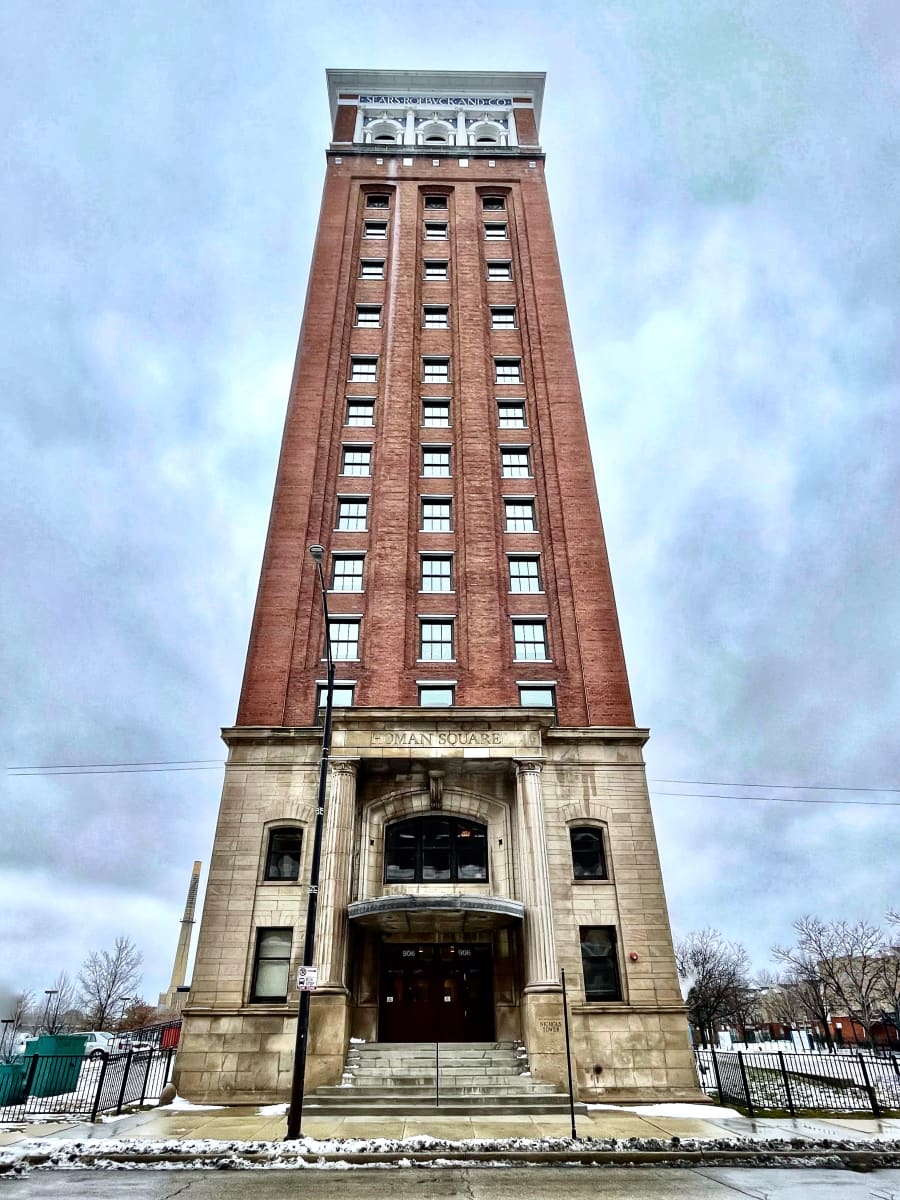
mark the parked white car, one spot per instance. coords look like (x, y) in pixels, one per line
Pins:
(96, 1042)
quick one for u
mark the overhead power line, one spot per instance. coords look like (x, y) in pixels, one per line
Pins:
(784, 799)
(798, 787)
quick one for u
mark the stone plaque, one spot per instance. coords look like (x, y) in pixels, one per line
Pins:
(550, 1026)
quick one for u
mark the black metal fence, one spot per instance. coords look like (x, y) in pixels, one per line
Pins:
(802, 1081)
(44, 1085)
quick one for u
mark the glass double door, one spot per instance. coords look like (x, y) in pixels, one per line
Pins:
(436, 993)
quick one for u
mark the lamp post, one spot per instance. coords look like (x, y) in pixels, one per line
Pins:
(295, 1112)
(48, 992)
(124, 1000)
(6, 1022)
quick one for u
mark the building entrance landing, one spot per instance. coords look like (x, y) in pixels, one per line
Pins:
(436, 993)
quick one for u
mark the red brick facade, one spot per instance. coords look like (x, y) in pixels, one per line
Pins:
(284, 659)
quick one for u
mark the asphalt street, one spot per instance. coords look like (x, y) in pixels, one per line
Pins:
(531, 1183)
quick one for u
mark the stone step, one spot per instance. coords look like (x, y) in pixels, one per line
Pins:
(472, 1107)
(366, 1047)
(426, 1088)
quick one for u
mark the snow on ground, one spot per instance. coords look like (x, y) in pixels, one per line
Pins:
(273, 1110)
(180, 1103)
(699, 1111)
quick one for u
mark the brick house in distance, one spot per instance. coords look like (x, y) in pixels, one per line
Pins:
(488, 821)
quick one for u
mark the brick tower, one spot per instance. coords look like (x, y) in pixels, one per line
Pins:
(488, 819)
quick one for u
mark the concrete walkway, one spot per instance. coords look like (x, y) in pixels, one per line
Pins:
(247, 1124)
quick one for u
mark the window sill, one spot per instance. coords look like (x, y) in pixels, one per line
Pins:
(436, 660)
(592, 882)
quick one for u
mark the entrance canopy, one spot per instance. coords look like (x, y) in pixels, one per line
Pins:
(427, 915)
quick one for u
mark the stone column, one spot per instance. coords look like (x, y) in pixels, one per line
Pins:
(334, 883)
(461, 139)
(541, 967)
(409, 135)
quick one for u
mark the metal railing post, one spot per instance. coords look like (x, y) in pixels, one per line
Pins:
(437, 1074)
(568, 1054)
(146, 1077)
(100, 1083)
(787, 1085)
(715, 1063)
(873, 1098)
(125, 1073)
(746, 1082)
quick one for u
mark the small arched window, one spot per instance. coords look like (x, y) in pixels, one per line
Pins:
(588, 854)
(283, 855)
(435, 850)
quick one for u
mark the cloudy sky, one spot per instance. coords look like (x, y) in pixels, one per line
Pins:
(724, 182)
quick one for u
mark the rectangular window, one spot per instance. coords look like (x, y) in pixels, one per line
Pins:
(588, 855)
(530, 641)
(524, 574)
(377, 200)
(363, 370)
(495, 231)
(347, 572)
(341, 696)
(344, 635)
(499, 270)
(511, 414)
(503, 318)
(436, 316)
(435, 462)
(371, 268)
(436, 642)
(368, 316)
(435, 413)
(437, 697)
(356, 460)
(600, 963)
(435, 201)
(515, 464)
(437, 268)
(435, 370)
(353, 515)
(271, 966)
(493, 203)
(507, 370)
(520, 516)
(536, 696)
(375, 230)
(283, 854)
(435, 231)
(436, 573)
(360, 412)
(437, 516)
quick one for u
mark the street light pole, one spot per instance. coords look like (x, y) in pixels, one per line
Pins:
(295, 1112)
(48, 992)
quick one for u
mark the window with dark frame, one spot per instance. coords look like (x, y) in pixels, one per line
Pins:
(520, 516)
(493, 203)
(503, 318)
(499, 270)
(283, 855)
(375, 230)
(347, 572)
(436, 268)
(436, 850)
(377, 200)
(495, 231)
(507, 370)
(599, 963)
(435, 413)
(363, 370)
(435, 462)
(368, 316)
(511, 414)
(515, 463)
(435, 201)
(530, 641)
(436, 316)
(342, 696)
(353, 514)
(437, 696)
(437, 516)
(436, 573)
(524, 573)
(435, 370)
(371, 268)
(435, 231)
(344, 635)
(356, 460)
(271, 966)
(435, 640)
(588, 854)
(360, 412)
(537, 696)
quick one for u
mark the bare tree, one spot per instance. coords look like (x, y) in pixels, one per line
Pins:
(59, 1002)
(717, 974)
(19, 1008)
(107, 980)
(847, 961)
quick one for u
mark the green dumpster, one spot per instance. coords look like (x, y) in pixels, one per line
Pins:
(12, 1083)
(59, 1058)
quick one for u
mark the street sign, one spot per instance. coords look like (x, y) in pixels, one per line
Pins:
(307, 979)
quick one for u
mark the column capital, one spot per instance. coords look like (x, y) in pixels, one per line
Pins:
(528, 766)
(343, 766)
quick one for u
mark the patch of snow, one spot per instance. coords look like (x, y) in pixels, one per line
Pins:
(273, 1110)
(671, 1110)
(358, 1041)
(180, 1103)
